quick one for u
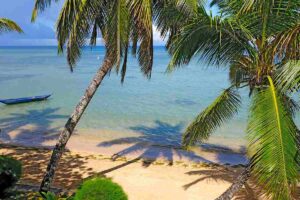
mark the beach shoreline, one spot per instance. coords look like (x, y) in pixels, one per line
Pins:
(115, 144)
(141, 178)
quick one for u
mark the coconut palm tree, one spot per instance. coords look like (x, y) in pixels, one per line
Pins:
(7, 25)
(121, 23)
(259, 42)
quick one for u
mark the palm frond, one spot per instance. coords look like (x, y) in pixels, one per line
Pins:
(141, 11)
(240, 70)
(290, 104)
(288, 78)
(74, 25)
(212, 39)
(7, 25)
(220, 111)
(124, 67)
(272, 149)
(267, 5)
(40, 5)
(94, 34)
(286, 44)
(171, 15)
(215, 2)
(117, 31)
(263, 18)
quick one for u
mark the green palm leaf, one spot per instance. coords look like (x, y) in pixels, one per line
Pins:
(170, 15)
(273, 148)
(7, 25)
(221, 110)
(141, 11)
(240, 70)
(76, 21)
(40, 5)
(213, 39)
(117, 32)
(287, 43)
(288, 78)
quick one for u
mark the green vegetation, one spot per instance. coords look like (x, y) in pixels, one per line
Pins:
(52, 196)
(10, 173)
(7, 25)
(100, 189)
(259, 42)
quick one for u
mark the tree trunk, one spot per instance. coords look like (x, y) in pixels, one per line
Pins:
(71, 124)
(236, 186)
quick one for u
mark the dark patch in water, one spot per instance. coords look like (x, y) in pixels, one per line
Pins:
(130, 77)
(4, 78)
(184, 102)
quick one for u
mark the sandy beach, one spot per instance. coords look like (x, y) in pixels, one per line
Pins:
(141, 178)
(117, 144)
(146, 170)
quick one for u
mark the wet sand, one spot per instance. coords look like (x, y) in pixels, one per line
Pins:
(114, 144)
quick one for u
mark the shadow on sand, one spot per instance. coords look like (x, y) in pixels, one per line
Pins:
(69, 174)
(220, 175)
(155, 142)
(34, 127)
(162, 141)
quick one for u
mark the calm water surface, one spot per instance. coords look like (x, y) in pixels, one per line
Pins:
(158, 108)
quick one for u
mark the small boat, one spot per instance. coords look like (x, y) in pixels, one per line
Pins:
(24, 99)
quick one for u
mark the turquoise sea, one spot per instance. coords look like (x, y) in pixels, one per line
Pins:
(159, 108)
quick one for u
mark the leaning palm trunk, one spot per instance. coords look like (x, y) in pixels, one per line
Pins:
(72, 122)
(236, 186)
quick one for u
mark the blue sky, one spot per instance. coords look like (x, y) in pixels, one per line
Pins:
(40, 33)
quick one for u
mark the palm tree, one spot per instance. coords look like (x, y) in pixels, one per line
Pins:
(7, 25)
(259, 41)
(121, 23)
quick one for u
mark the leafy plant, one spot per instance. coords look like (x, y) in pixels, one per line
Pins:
(10, 172)
(100, 189)
(52, 196)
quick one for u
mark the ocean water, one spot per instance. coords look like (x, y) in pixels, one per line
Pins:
(159, 109)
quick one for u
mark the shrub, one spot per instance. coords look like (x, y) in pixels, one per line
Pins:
(100, 189)
(10, 172)
(52, 196)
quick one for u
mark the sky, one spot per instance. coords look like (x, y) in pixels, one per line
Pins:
(40, 33)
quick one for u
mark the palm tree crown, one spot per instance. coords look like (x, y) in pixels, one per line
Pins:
(258, 40)
(121, 23)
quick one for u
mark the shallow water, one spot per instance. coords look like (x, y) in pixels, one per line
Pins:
(159, 109)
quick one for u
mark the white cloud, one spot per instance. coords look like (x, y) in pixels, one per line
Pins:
(158, 40)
